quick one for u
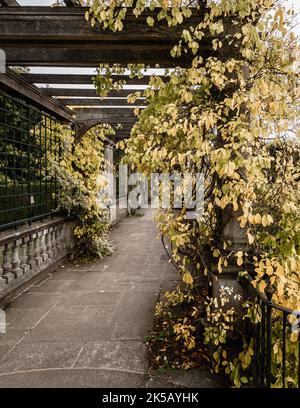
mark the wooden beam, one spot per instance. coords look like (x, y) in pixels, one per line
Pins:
(108, 111)
(82, 79)
(15, 84)
(87, 92)
(92, 57)
(61, 36)
(100, 102)
(9, 3)
(83, 127)
(61, 24)
(123, 111)
(101, 116)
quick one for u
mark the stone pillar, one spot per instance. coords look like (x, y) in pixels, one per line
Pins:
(232, 232)
(229, 276)
(109, 167)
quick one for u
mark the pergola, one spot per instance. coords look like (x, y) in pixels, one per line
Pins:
(61, 37)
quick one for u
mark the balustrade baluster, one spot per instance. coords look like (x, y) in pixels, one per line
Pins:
(23, 255)
(2, 280)
(48, 244)
(7, 266)
(43, 248)
(37, 250)
(30, 253)
(53, 243)
(15, 259)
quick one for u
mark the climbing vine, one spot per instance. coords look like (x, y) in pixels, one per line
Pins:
(233, 116)
(82, 194)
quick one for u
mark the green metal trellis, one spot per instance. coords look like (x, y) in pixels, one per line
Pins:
(27, 138)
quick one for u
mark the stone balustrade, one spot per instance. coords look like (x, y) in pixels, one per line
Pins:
(32, 249)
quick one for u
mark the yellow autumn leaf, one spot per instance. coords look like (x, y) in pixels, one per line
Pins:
(279, 270)
(239, 261)
(257, 218)
(264, 220)
(187, 278)
(250, 238)
(263, 87)
(262, 286)
(269, 269)
(294, 336)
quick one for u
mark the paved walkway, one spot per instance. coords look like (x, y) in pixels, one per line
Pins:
(83, 326)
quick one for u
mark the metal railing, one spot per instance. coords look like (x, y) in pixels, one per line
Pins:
(270, 316)
(28, 140)
(271, 334)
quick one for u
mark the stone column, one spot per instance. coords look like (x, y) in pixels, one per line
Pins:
(109, 166)
(232, 232)
(229, 276)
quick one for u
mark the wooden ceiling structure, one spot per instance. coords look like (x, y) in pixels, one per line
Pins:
(61, 37)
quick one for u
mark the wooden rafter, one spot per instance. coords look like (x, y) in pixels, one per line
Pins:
(14, 83)
(111, 116)
(60, 36)
(86, 92)
(81, 79)
(100, 102)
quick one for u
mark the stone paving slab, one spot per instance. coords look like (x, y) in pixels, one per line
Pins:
(92, 298)
(122, 355)
(129, 331)
(84, 324)
(73, 378)
(4, 348)
(24, 319)
(31, 300)
(53, 286)
(186, 379)
(11, 338)
(37, 355)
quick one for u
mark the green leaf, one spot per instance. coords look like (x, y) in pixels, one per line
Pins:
(150, 21)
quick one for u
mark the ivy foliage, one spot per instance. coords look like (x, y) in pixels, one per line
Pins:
(80, 173)
(232, 115)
